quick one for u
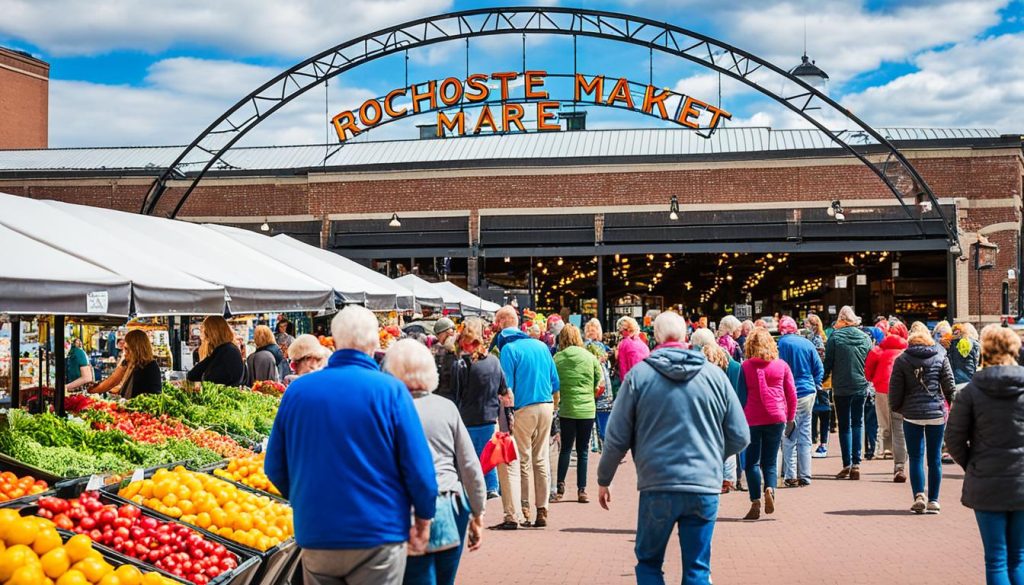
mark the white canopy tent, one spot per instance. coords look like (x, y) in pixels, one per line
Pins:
(156, 288)
(254, 282)
(471, 304)
(406, 299)
(423, 288)
(38, 278)
(348, 287)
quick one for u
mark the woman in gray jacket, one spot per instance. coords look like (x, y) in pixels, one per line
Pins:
(920, 387)
(459, 475)
(985, 435)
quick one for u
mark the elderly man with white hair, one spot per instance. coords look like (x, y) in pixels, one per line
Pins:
(679, 415)
(348, 450)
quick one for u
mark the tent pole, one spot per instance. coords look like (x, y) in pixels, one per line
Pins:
(61, 361)
(15, 361)
(172, 340)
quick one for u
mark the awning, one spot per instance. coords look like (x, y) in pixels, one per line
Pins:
(471, 304)
(254, 282)
(423, 289)
(405, 298)
(348, 287)
(38, 279)
(157, 288)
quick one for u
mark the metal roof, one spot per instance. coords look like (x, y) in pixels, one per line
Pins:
(604, 144)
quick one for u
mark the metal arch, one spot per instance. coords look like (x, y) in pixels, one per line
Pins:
(211, 145)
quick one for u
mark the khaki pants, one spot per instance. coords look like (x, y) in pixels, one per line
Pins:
(532, 431)
(890, 431)
(384, 564)
(508, 480)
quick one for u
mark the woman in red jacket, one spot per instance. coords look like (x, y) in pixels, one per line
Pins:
(878, 369)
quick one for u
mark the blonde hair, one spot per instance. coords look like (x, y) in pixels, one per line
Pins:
(355, 327)
(815, 325)
(411, 362)
(628, 324)
(701, 338)
(569, 337)
(594, 326)
(473, 334)
(138, 350)
(506, 317)
(306, 346)
(263, 336)
(920, 338)
(999, 345)
(215, 333)
(918, 327)
(760, 344)
(716, 355)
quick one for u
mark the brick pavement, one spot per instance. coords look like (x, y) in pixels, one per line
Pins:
(832, 532)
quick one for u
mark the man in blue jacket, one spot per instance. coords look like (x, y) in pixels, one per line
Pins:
(681, 418)
(348, 450)
(808, 373)
(533, 379)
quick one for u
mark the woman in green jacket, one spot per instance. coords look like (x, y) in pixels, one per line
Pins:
(580, 380)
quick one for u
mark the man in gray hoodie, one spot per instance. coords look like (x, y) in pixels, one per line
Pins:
(679, 415)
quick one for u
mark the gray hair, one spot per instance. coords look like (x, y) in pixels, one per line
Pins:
(728, 325)
(355, 327)
(848, 314)
(702, 337)
(669, 326)
(306, 346)
(594, 325)
(411, 362)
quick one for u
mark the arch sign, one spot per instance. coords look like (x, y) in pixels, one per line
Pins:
(509, 113)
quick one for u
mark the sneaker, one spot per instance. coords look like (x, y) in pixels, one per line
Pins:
(845, 473)
(582, 498)
(855, 472)
(739, 485)
(887, 454)
(933, 507)
(869, 456)
(557, 496)
(792, 483)
(804, 482)
(900, 476)
(542, 518)
(492, 495)
(919, 504)
(947, 459)
(821, 452)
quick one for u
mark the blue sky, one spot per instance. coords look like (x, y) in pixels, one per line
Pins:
(137, 72)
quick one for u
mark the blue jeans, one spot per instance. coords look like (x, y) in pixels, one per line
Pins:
(918, 437)
(575, 431)
(602, 423)
(850, 416)
(660, 512)
(1002, 533)
(439, 567)
(796, 449)
(763, 458)
(870, 426)
(480, 435)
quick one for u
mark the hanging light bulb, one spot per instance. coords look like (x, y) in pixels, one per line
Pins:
(395, 222)
(673, 209)
(265, 227)
(559, 261)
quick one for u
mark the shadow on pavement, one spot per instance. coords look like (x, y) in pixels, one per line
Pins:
(889, 512)
(599, 531)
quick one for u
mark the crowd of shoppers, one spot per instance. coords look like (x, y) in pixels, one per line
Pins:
(697, 409)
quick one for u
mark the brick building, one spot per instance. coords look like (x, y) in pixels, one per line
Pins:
(24, 99)
(568, 212)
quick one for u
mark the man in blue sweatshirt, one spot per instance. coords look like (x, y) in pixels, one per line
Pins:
(808, 373)
(533, 379)
(348, 450)
(681, 418)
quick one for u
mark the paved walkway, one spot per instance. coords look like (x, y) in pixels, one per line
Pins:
(832, 532)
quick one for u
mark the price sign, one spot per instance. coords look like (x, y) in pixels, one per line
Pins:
(95, 483)
(97, 301)
(138, 475)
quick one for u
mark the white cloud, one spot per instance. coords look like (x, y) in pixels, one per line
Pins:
(180, 98)
(295, 28)
(973, 84)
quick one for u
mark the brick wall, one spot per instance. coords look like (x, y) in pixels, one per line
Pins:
(23, 101)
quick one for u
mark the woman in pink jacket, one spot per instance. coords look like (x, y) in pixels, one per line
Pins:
(631, 350)
(768, 394)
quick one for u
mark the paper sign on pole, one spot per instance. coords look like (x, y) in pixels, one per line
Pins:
(862, 279)
(841, 281)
